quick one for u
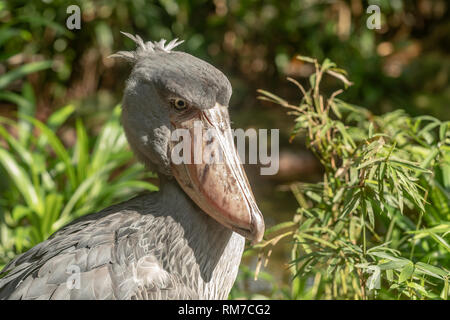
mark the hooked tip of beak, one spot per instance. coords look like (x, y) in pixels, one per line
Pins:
(258, 228)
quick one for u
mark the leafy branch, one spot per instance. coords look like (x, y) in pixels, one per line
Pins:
(377, 224)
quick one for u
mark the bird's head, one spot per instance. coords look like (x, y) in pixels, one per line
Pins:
(172, 93)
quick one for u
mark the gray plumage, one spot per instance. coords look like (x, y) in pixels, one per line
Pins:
(138, 249)
(155, 246)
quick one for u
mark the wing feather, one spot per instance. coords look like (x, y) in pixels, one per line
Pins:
(106, 255)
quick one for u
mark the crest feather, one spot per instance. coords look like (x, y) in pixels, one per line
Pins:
(145, 47)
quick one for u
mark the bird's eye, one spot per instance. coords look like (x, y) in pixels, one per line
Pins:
(179, 104)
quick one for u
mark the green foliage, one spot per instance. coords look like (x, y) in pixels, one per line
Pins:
(48, 184)
(378, 224)
(405, 63)
(251, 40)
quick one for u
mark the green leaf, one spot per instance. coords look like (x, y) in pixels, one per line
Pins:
(445, 290)
(406, 272)
(390, 275)
(395, 265)
(407, 164)
(53, 205)
(19, 212)
(21, 180)
(22, 71)
(280, 226)
(81, 154)
(314, 196)
(133, 185)
(58, 147)
(418, 287)
(443, 130)
(340, 126)
(24, 154)
(431, 270)
(338, 196)
(306, 59)
(328, 64)
(79, 192)
(369, 163)
(352, 205)
(60, 116)
(316, 239)
(272, 97)
(370, 213)
(440, 240)
(384, 255)
(335, 109)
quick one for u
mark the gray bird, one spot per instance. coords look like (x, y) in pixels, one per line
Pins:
(184, 241)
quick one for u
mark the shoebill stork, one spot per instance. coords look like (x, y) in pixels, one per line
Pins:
(184, 241)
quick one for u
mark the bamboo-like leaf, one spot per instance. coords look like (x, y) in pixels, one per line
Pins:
(328, 64)
(440, 241)
(82, 188)
(445, 290)
(418, 287)
(60, 116)
(395, 265)
(431, 270)
(443, 130)
(369, 209)
(19, 212)
(81, 153)
(272, 97)
(352, 205)
(21, 180)
(24, 154)
(444, 227)
(406, 272)
(316, 239)
(407, 164)
(384, 255)
(306, 59)
(280, 226)
(340, 126)
(58, 147)
(22, 71)
(53, 205)
(128, 187)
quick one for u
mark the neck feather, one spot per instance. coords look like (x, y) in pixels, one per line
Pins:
(211, 250)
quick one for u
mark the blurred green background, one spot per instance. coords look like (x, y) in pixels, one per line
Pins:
(405, 64)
